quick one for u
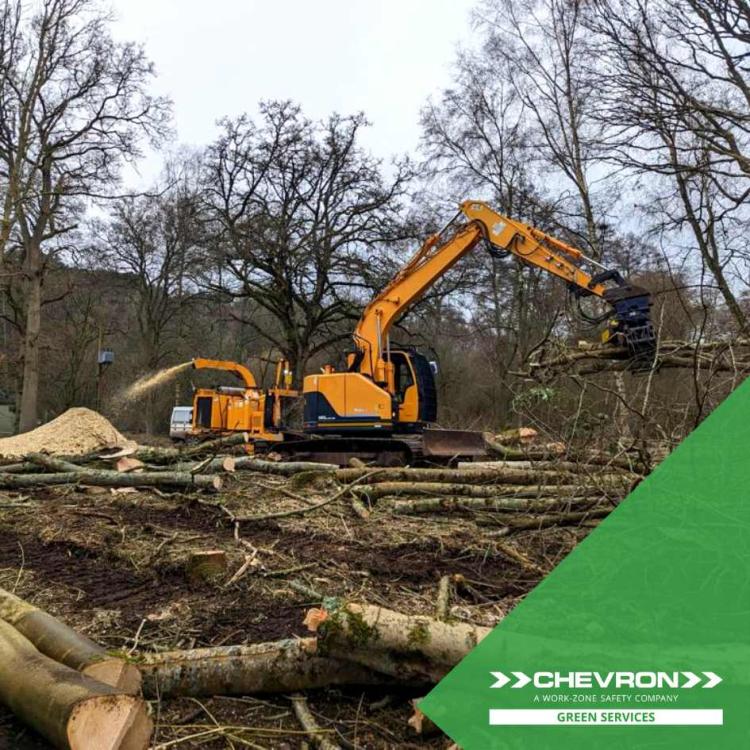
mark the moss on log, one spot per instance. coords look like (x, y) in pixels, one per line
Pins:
(409, 647)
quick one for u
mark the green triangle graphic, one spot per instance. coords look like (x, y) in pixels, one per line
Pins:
(662, 586)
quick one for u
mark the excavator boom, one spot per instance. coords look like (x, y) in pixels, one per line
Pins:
(630, 318)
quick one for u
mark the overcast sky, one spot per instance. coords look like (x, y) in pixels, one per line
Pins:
(220, 57)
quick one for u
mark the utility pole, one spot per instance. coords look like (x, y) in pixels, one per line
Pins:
(104, 358)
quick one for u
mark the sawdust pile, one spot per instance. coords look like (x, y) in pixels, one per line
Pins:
(151, 381)
(74, 433)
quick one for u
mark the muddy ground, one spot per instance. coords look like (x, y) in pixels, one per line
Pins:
(114, 566)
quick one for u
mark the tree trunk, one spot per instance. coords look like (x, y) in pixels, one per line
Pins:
(280, 667)
(29, 416)
(467, 476)
(63, 644)
(71, 710)
(282, 468)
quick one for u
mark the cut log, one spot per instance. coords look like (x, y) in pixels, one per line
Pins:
(360, 509)
(282, 468)
(400, 489)
(443, 603)
(469, 476)
(207, 565)
(280, 667)
(447, 504)
(516, 435)
(96, 478)
(410, 647)
(209, 465)
(128, 464)
(578, 458)
(63, 644)
(583, 468)
(71, 710)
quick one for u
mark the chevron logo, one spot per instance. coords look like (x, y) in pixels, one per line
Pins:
(604, 680)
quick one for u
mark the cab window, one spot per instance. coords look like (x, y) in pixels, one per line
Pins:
(402, 375)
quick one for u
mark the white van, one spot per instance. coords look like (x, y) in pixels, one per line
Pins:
(180, 422)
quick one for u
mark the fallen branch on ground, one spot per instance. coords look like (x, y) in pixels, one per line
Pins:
(308, 723)
(545, 521)
(400, 489)
(472, 476)
(280, 667)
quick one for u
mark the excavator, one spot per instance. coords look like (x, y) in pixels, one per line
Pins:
(382, 407)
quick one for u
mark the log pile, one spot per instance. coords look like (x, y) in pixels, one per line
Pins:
(144, 467)
(514, 493)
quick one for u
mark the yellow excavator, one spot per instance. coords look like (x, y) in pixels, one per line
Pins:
(383, 406)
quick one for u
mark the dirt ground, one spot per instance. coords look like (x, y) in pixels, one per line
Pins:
(113, 565)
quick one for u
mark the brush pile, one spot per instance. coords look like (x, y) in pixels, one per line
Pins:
(726, 356)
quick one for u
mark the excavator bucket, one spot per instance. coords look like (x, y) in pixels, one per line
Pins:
(453, 443)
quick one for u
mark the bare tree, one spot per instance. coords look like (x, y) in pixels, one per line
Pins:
(539, 47)
(73, 105)
(155, 241)
(675, 87)
(296, 207)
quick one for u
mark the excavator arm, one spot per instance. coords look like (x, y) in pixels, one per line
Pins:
(629, 319)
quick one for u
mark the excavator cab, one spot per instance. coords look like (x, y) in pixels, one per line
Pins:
(351, 402)
(415, 396)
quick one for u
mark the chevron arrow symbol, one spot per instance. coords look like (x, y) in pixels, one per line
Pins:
(693, 680)
(501, 680)
(713, 679)
(522, 680)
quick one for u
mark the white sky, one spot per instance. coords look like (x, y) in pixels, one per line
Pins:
(220, 57)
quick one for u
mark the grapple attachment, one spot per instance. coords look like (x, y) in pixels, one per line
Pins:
(631, 325)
